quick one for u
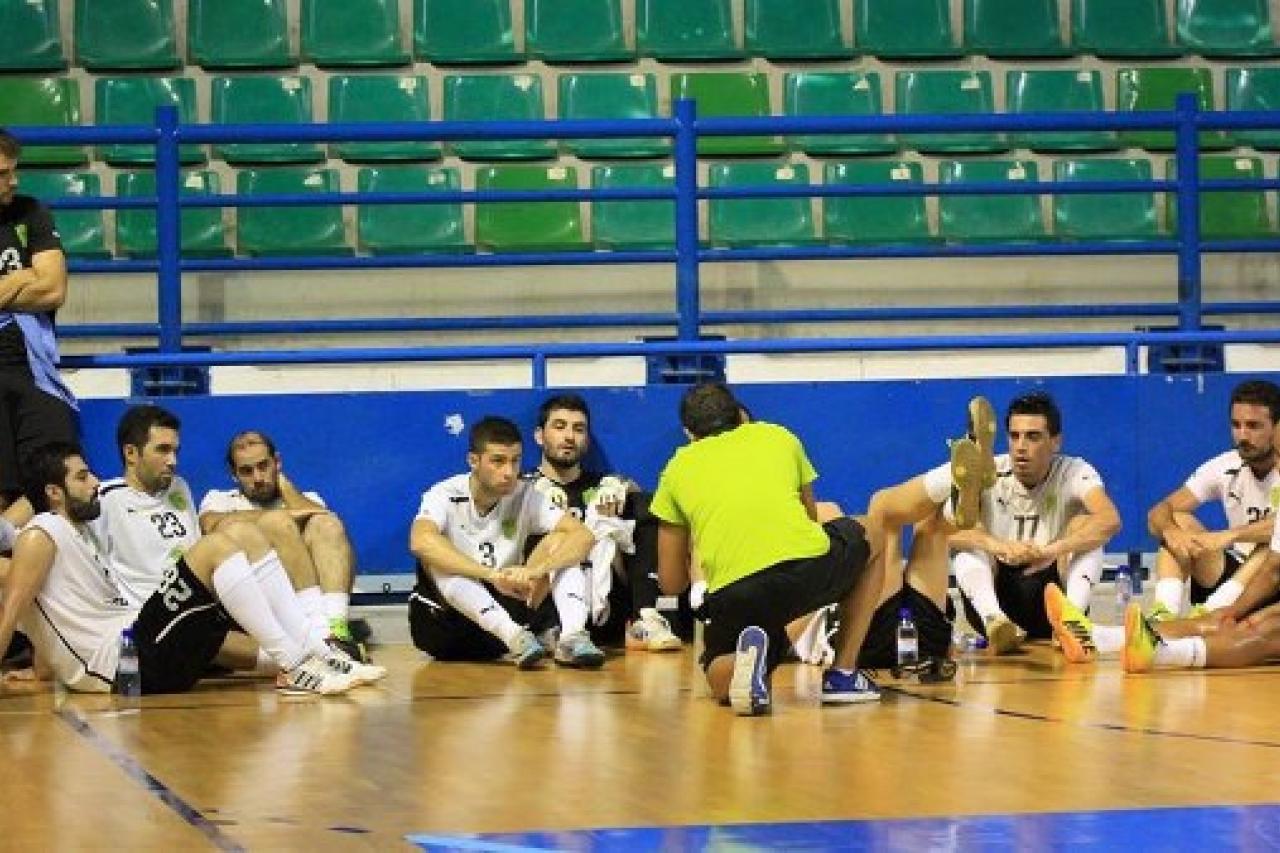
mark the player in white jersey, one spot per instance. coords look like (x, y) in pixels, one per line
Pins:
(1044, 521)
(63, 589)
(300, 526)
(1219, 564)
(474, 587)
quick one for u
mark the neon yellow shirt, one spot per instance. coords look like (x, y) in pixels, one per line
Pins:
(738, 493)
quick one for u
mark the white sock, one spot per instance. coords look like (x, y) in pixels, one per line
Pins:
(975, 579)
(1169, 593)
(335, 605)
(569, 592)
(1083, 572)
(474, 601)
(242, 596)
(285, 603)
(1108, 639)
(1225, 595)
(1182, 653)
(312, 601)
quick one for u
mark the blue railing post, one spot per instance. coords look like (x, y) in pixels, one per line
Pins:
(686, 159)
(1188, 164)
(168, 231)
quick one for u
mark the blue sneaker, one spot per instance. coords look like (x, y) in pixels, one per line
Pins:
(577, 650)
(848, 688)
(749, 689)
(526, 651)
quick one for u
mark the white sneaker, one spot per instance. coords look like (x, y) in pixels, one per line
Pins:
(359, 673)
(813, 646)
(314, 675)
(652, 632)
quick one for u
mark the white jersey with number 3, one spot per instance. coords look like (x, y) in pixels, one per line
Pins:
(148, 533)
(497, 538)
(1013, 512)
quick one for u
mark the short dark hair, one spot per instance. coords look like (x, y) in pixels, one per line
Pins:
(708, 409)
(248, 438)
(9, 145)
(135, 425)
(1036, 403)
(46, 466)
(568, 402)
(492, 429)
(1259, 392)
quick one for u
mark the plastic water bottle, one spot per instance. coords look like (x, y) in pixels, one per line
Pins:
(908, 640)
(970, 643)
(1124, 590)
(128, 674)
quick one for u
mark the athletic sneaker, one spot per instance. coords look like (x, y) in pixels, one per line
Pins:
(526, 651)
(577, 650)
(1140, 641)
(314, 675)
(1071, 628)
(341, 637)
(1160, 613)
(848, 688)
(652, 633)
(360, 673)
(982, 431)
(749, 689)
(968, 468)
(1003, 635)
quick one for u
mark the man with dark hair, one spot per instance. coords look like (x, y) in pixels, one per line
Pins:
(616, 512)
(37, 406)
(61, 567)
(1044, 522)
(474, 599)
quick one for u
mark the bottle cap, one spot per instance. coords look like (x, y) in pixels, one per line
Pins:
(904, 613)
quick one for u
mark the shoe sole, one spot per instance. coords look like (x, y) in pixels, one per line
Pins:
(1130, 659)
(584, 662)
(672, 645)
(982, 429)
(1073, 649)
(1004, 638)
(862, 697)
(966, 482)
(748, 693)
(531, 661)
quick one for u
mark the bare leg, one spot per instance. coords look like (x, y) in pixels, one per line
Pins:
(281, 531)
(859, 605)
(330, 549)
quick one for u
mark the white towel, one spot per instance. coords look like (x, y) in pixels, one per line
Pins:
(612, 534)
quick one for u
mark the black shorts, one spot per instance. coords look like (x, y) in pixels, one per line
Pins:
(29, 418)
(772, 597)
(446, 634)
(933, 629)
(178, 632)
(1231, 563)
(1021, 597)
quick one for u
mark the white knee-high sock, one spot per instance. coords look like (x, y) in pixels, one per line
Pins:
(975, 577)
(1225, 595)
(473, 600)
(569, 592)
(1183, 653)
(312, 601)
(1169, 593)
(335, 604)
(1108, 639)
(241, 595)
(278, 590)
(1083, 571)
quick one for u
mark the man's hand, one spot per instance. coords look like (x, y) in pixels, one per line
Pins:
(1181, 544)
(1015, 553)
(510, 582)
(1209, 541)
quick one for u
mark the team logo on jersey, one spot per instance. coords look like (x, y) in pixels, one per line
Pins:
(21, 230)
(177, 501)
(509, 528)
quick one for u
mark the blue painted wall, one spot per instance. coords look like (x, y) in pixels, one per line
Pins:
(373, 454)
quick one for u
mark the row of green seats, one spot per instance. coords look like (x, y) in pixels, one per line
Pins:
(558, 225)
(516, 97)
(142, 34)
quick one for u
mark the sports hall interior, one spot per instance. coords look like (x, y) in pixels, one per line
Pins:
(864, 323)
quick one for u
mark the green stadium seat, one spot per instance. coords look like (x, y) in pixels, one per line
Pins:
(1013, 28)
(874, 219)
(1255, 89)
(1226, 27)
(497, 97)
(453, 33)
(125, 35)
(611, 96)
(949, 92)
(133, 100)
(31, 38)
(760, 221)
(679, 30)
(795, 29)
(836, 93)
(203, 233)
(728, 93)
(1226, 214)
(989, 218)
(409, 229)
(633, 224)
(352, 33)
(575, 31)
(81, 231)
(1058, 91)
(1156, 89)
(310, 230)
(528, 226)
(1122, 28)
(263, 100)
(47, 102)
(238, 34)
(358, 98)
(1104, 216)
(904, 29)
